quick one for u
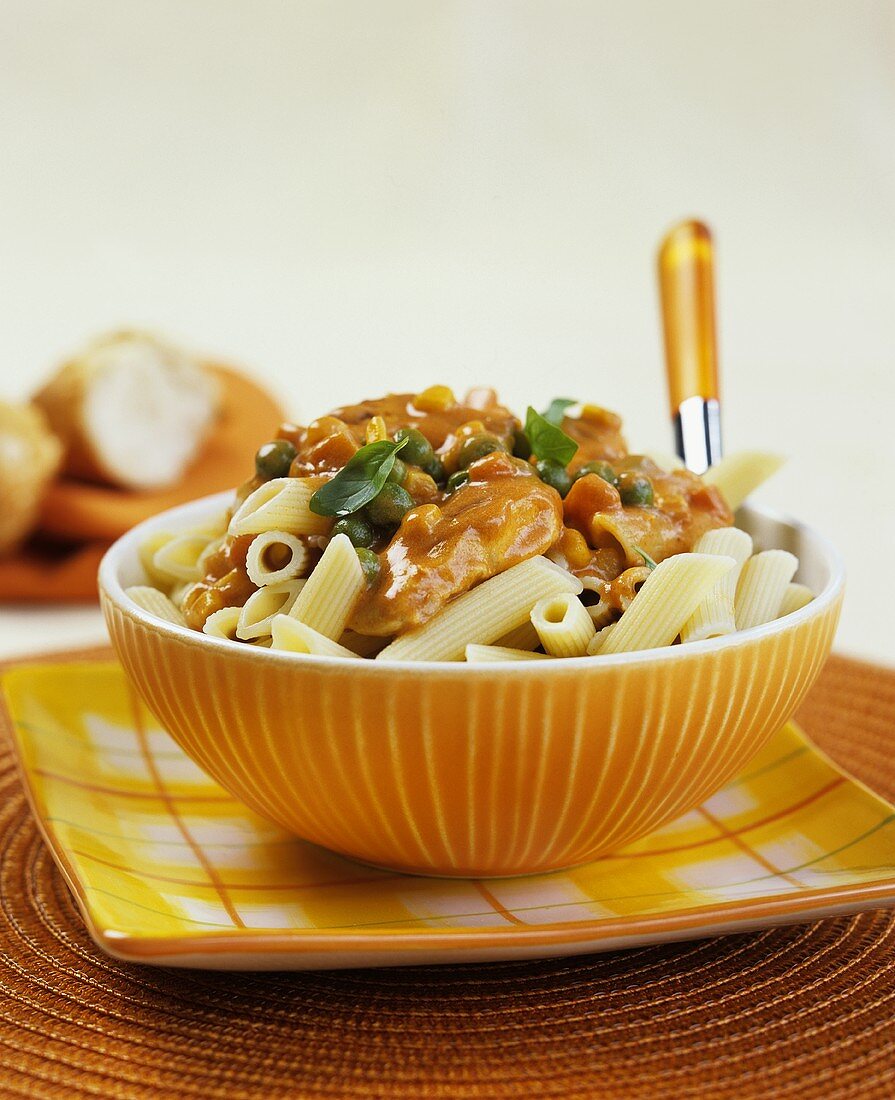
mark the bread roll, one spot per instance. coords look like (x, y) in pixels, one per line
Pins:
(131, 410)
(29, 458)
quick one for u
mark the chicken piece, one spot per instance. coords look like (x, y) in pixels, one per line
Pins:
(29, 458)
(130, 410)
(503, 515)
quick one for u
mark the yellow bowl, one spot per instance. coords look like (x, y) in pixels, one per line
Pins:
(478, 770)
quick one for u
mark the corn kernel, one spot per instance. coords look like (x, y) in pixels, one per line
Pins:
(574, 548)
(435, 399)
(376, 430)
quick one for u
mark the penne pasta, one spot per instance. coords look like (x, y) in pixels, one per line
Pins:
(739, 474)
(330, 594)
(257, 613)
(563, 625)
(670, 595)
(156, 603)
(275, 556)
(178, 558)
(491, 654)
(148, 549)
(601, 614)
(282, 504)
(522, 637)
(715, 617)
(487, 612)
(795, 597)
(223, 623)
(762, 585)
(598, 640)
(297, 637)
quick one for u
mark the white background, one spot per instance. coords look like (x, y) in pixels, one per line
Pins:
(352, 197)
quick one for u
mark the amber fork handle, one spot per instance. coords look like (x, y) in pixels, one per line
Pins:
(687, 295)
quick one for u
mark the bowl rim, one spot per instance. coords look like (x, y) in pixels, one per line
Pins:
(111, 588)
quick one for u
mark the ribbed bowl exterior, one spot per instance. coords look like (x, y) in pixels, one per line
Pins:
(496, 770)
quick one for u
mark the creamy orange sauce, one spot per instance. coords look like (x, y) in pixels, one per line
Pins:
(684, 508)
(225, 584)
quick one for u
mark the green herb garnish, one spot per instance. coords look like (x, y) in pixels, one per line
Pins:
(649, 561)
(359, 480)
(557, 410)
(547, 440)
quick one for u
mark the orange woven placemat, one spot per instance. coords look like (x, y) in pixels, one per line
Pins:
(803, 1012)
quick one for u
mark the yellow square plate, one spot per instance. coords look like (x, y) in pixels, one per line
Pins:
(169, 869)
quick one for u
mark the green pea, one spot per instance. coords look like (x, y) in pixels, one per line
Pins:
(554, 474)
(417, 450)
(398, 472)
(457, 479)
(435, 469)
(387, 508)
(477, 446)
(359, 530)
(601, 469)
(274, 459)
(369, 562)
(635, 489)
(521, 446)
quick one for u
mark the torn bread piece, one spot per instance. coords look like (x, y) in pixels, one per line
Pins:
(29, 459)
(131, 410)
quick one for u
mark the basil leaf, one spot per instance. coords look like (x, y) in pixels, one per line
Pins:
(647, 559)
(547, 440)
(359, 480)
(557, 410)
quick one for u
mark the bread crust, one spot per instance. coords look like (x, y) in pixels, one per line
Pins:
(30, 455)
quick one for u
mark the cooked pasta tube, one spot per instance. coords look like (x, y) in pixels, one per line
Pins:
(275, 556)
(493, 654)
(522, 637)
(178, 558)
(282, 504)
(601, 614)
(598, 640)
(258, 611)
(223, 623)
(669, 596)
(329, 597)
(739, 474)
(149, 547)
(762, 585)
(563, 625)
(795, 597)
(483, 614)
(714, 617)
(156, 603)
(297, 637)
